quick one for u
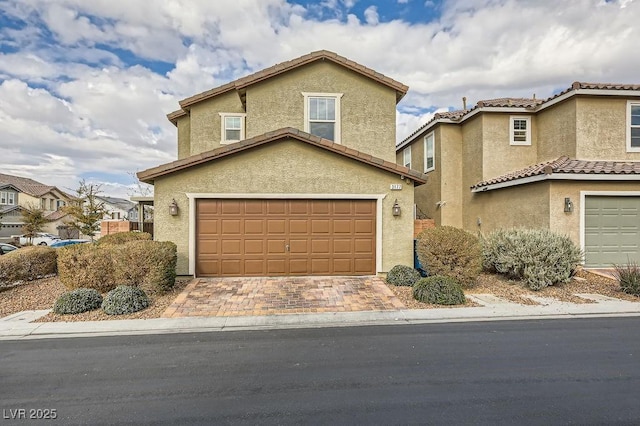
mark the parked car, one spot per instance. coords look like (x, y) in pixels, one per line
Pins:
(70, 242)
(39, 239)
(6, 248)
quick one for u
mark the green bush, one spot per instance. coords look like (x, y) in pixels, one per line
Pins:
(439, 290)
(538, 257)
(124, 237)
(402, 275)
(27, 264)
(125, 300)
(628, 277)
(78, 301)
(86, 266)
(150, 265)
(452, 252)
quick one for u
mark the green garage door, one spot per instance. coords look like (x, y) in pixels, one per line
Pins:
(612, 230)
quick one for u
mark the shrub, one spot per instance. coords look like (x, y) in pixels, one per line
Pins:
(78, 301)
(27, 264)
(539, 257)
(86, 266)
(125, 300)
(452, 252)
(628, 277)
(403, 275)
(124, 237)
(439, 290)
(150, 265)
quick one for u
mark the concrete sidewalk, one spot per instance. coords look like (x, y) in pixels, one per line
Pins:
(18, 326)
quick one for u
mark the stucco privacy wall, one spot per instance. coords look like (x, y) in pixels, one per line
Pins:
(517, 206)
(368, 109)
(601, 129)
(206, 122)
(285, 167)
(556, 131)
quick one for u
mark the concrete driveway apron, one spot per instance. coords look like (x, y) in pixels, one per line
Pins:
(282, 295)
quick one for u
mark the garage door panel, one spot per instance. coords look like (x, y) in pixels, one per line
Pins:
(612, 230)
(283, 237)
(276, 226)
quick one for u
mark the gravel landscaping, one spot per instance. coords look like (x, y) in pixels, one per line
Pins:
(42, 294)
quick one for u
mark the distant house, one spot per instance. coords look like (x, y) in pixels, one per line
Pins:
(570, 163)
(18, 193)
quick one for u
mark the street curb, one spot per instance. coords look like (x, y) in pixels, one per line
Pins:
(31, 331)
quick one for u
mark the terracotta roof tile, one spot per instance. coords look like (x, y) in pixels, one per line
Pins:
(26, 185)
(150, 175)
(566, 165)
(510, 102)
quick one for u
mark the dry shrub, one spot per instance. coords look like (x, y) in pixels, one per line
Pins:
(451, 252)
(27, 264)
(86, 266)
(150, 265)
(124, 237)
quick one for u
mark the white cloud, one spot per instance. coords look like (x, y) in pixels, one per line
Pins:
(371, 15)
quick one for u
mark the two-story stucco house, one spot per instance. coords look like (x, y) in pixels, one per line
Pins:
(288, 171)
(570, 163)
(17, 193)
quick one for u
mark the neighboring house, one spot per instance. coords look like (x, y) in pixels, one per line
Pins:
(118, 208)
(16, 191)
(570, 163)
(288, 171)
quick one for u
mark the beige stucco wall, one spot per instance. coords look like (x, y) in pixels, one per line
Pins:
(449, 162)
(601, 129)
(368, 109)
(471, 163)
(556, 130)
(499, 156)
(513, 207)
(206, 122)
(286, 167)
(184, 136)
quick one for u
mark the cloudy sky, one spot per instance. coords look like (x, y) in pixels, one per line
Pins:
(85, 85)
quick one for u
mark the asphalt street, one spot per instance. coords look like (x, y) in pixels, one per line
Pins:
(577, 371)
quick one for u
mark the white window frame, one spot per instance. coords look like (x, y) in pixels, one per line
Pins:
(406, 157)
(223, 126)
(430, 137)
(337, 96)
(8, 197)
(512, 130)
(630, 126)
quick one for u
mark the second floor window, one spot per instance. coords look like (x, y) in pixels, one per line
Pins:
(232, 127)
(520, 131)
(7, 198)
(322, 115)
(429, 153)
(633, 126)
(406, 157)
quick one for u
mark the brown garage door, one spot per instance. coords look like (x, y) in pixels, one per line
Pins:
(285, 237)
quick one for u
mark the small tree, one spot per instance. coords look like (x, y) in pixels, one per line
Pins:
(34, 221)
(86, 209)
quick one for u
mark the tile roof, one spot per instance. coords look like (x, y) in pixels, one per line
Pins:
(58, 214)
(566, 165)
(26, 185)
(272, 71)
(528, 103)
(510, 102)
(149, 175)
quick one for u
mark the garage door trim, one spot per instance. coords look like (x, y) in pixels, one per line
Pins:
(195, 196)
(585, 194)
